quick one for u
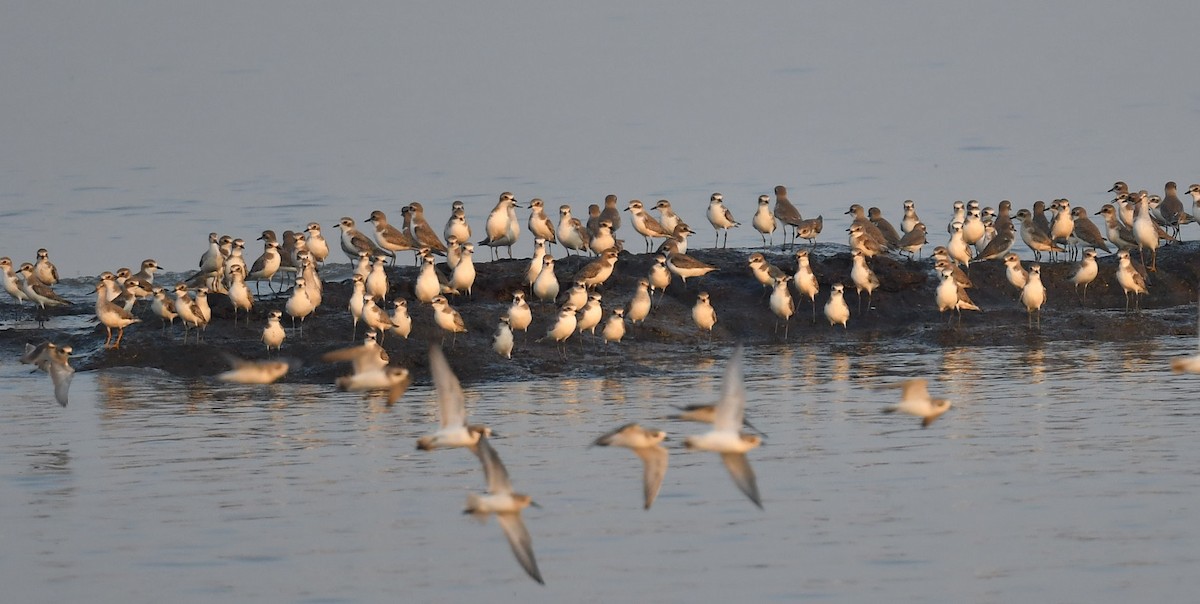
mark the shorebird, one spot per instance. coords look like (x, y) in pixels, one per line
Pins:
(453, 430)
(541, 226)
(463, 276)
(913, 240)
(677, 242)
(725, 437)
(809, 228)
(999, 245)
(299, 305)
(535, 263)
(457, 226)
(667, 216)
(506, 505)
(959, 252)
(519, 314)
(315, 242)
(44, 269)
(593, 221)
(563, 326)
(703, 313)
(571, 233)
(589, 316)
(189, 313)
(545, 287)
(868, 227)
(422, 232)
(10, 281)
(910, 218)
(785, 212)
(1085, 272)
(1063, 225)
(610, 212)
(502, 228)
(40, 293)
(952, 296)
(54, 360)
(719, 217)
(265, 266)
(353, 242)
(1038, 240)
(1118, 234)
(890, 236)
(659, 276)
(859, 240)
(836, 309)
(781, 304)
(110, 315)
(645, 224)
(1033, 295)
(401, 321)
(447, 318)
(763, 221)
(764, 272)
(1131, 279)
(603, 239)
(245, 371)
(639, 305)
(502, 340)
(647, 445)
(863, 277)
(370, 370)
(1014, 272)
(239, 295)
(958, 214)
(389, 237)
(1145, 232)
(805, 281)
(685, 266)
(614, 327)
(1084, 232)
(163, 307)
(273, 334)
(915, 401)
(598, 271)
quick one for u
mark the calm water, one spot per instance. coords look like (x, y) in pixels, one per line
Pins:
(1043, 483)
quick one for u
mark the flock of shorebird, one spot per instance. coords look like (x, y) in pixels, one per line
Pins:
(1132, 221)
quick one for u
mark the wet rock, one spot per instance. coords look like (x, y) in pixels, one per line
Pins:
(903, 313)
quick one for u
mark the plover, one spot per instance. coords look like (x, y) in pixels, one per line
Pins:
(273, 333)
(703, 313)
(506, 505)
(315, 242)
(44, 269)
(1131, 279)
(614, 327)
(422, 232)
(401, 321)
(1085, 272)
(389, 237)
(447, 318)
(519, 313)
(725, 437)
(915, 401)
(244, 371)
(453, 430)
(781, 304)
(667, 216)
(598, 271)
(571, 233)
(720, 217)
(1038, 240)
(890, 236)
(502, 228)
(1033, 295)
(541, 226)
(645, 224)
(805, 281)
(502, 340)
(836, 309)
(646, 444)
(546, 287)
(110, 315)
(863, 277)
(640, 303)
(785, 212)
(910, 218)
(763, 221)
(457, 226)
(611, 213)
(463, 276)
(353, 242)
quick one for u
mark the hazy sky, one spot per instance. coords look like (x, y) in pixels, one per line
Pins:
(135, 128)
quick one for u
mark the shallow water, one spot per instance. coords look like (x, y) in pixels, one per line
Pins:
(1043, 482)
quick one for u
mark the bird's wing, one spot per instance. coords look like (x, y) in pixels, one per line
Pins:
(732, 406)
(607, 439)
(61, 373)
(914, 390)
(743, 475)
(451, 401)
(655, 460)
(493, 468)
(398, 388)
(521, 543)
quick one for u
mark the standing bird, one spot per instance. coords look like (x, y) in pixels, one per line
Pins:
(667, 216)
(1118, 234)
(315, 242)
(809, 228)
(519, 314)
(265, 266)
(614, 327)
(910, 218)
(502, 228)
(952, 296)
(781, 304)
(376, 283)
(111, 315)
(1131, 279)
(599, 270)
(273, 334)
(1085, 272)
(1033, 295)
(424, 234)
(836, 309)
(593, 221)
(563, 326)
(541, 226)
(720, 217)
(502, 340)
(764, 221)
(299, 305)
(353, 242)
(805, 281)
(915, 239)
(611, 213)
(401, 321)
(44, 269)
(545, 287)
(999, 245)
(239, 295)
(1084, 232)
(1038, 240)
(703, 314)
(447, 318)
(571, 233)
(864, 278)
(685, 266)
(189, 313)
(463, 276)
(645, 224)
(785, 211)
(639, 305)
(603, 238)
(659, 276)
(163, 307)
(915, 401)
(590, 315)
(456, 225)
(389, 237)
(535, 263)
(647, 445)
(890, 236)
(725, 437)
(1014, 272)
(1145, 232)
(37, 291)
